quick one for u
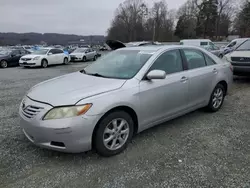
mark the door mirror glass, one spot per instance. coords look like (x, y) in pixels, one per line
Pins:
(156, 74)
(49, 53)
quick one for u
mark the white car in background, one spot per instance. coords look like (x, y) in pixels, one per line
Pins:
(44, 57)
(83, 54)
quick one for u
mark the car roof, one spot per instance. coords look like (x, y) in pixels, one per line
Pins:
(155, 48)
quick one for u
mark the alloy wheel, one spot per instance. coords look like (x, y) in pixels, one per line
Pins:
(116, 134)
(217, 98)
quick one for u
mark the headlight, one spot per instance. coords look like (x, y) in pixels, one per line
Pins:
(66, 112)
(36, 58)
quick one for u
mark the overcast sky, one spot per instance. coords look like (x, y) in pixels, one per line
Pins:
(83, 17)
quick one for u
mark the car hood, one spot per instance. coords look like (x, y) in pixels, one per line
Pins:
(71, 88)
(77, 54)
(3, 56)
(239, 54)
(31, 56)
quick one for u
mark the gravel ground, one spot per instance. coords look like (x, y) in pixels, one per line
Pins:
(197, 150)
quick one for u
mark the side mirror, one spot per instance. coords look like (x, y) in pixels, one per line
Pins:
(12, 55)
(156, 74)
(49, 53)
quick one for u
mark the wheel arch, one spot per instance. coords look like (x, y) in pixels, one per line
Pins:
(124, 108)
(224, 84)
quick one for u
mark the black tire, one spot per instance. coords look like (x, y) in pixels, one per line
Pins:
(44, 63)
(3, 64)
(221, 56)
(211, 106)
(95, 57)
(98, 140)
(65, 61)
(84, 59)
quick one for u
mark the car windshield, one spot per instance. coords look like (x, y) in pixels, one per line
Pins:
(121, 64)
(80, 50)
(244, 47)
(4, 52)
(40, 52)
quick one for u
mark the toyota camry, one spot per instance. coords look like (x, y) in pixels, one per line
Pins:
(123, 93)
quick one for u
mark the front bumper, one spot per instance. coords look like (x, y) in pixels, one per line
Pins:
(241, 70)
(72, 135)
(30, 63)
(75, 58)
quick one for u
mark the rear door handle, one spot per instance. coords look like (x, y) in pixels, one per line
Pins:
(184, 79)
(215, 71)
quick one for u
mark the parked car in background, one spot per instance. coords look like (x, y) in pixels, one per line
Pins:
(10, 57)
(233, 45)
(139, 87)
(240, 59)
(44, 57)
(83, 54)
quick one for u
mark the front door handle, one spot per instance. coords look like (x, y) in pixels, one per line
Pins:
(184, 79)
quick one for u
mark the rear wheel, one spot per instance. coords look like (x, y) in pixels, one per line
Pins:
(44, 63)
(113, 133)
(217, 98)
(3, 64)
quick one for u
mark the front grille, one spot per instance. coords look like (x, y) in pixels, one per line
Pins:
(241, 59)
(25, 59)
(31, 111)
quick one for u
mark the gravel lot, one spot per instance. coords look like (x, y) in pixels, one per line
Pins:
(196, 150)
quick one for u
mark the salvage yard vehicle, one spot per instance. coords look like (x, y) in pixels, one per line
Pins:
(10, 57)
(240, 59)
(83, 54)
(44, 57)
(123, 93)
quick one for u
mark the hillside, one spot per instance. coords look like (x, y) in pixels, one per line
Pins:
(49, 38)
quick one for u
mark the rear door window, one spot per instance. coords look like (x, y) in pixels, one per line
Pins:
(203, 43)
(209, 60)
(195, 58)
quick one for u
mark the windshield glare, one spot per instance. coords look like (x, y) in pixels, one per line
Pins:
(121, 64)
(40, 52)
(244, 46)
(79, 50)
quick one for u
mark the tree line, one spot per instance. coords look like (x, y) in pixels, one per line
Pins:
(134, 20)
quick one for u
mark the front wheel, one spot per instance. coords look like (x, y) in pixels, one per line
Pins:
(65, 61)
(95, 57)
(217, 98)
(3, 64)
(84, 59)
(113, 133)
(44, 63)
(221, 56)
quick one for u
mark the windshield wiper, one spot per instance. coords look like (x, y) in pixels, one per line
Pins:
(97, 75)
(83, 71)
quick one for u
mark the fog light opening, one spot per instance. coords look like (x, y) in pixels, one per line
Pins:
(57, 144)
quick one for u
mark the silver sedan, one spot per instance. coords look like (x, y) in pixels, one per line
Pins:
(123, 93)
